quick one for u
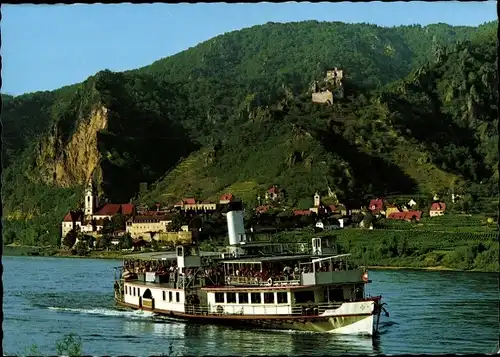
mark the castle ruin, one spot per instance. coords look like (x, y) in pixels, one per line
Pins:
(328, 89)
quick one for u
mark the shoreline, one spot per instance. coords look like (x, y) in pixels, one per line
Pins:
(119, 256)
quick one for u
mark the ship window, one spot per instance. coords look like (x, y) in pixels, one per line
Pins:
(177, 297)
(303, 297)
(359, 292)
(231, 298)
(164, 296)
(268, 298)
(170, 296)
(134, 291)
(334, 294)
(255, 298)
(219, 297)
(138, 292)
(243, 298)
(282, 297)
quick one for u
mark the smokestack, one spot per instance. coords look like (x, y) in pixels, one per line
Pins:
(235, 225)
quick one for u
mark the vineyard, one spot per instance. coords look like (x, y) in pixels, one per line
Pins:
(446, 223)
(412, 248)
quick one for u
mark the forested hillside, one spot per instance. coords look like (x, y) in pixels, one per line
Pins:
(234, 114)
(246, 68)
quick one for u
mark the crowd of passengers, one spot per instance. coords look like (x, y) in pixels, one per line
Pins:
(275, 273)
(287, 273)
(161, 267)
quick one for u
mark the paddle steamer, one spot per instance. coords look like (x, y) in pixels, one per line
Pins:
(261, 285)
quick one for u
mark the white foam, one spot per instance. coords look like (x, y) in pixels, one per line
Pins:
(106, 312)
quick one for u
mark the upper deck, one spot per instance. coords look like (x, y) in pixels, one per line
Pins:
(210, 271)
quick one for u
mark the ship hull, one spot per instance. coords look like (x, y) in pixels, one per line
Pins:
(360, 324)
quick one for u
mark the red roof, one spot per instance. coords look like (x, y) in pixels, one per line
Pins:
(262, 209)
(109, 209)
(273, 189)
(152, 213)
(73, 216)
(302, 213)
(376, 205)
(406, 215)
(438, 206)
(68, 218)
(189, 201)
(226, 197)
(128, 209)
(397, 215)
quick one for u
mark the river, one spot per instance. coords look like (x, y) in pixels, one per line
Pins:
(430, 312)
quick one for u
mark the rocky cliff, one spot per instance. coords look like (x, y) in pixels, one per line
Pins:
(76, 161)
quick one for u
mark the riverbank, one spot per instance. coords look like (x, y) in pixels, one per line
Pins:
(19, 250)
(415, 262)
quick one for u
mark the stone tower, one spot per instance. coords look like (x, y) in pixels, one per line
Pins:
(90, 201)
(317, 199)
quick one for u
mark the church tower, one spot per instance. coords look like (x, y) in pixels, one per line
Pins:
(317, 200)
(90, 201)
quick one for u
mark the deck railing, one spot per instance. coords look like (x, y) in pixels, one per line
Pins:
(244, 280)
(237, 309)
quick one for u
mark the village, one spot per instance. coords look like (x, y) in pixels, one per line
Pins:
(127, 226)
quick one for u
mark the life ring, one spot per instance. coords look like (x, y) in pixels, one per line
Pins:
(270, 281)
(365, 277)
(220, 309)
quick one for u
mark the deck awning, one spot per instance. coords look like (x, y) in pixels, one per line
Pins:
(333, 257)
(258, 260)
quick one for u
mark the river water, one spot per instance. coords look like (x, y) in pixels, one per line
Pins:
(430, 312)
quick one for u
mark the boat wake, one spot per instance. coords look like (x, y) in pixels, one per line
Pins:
(137, 314)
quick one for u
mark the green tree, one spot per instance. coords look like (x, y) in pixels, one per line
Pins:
(118, 222)
(104, 241)
(176, 224)
(126, 241)
(70, 238)
(107, 226)
(81, 248)
(9, 237)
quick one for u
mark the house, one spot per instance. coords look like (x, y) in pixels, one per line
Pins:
(91, 219)
(412, 202)
(376, 205)
(304, 212)
(72, 220)
(338, 209)
(273, 194)
(146, 226)
(349, 207)
(190, 205)
(185, 203)
(226, 198)
(262, 209)
(391, 209)
(407, 216)
(437, 209)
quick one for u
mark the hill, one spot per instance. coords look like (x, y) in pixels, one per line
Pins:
(233, 113)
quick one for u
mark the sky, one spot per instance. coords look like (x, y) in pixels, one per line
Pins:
(45, 47)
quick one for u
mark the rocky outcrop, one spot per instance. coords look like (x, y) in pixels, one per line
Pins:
(73, 161)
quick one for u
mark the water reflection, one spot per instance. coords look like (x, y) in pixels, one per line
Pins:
(183, 338)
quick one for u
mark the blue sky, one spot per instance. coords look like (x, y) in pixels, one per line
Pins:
(45, 47)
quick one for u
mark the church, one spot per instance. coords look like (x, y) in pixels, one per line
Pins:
(91, 219)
